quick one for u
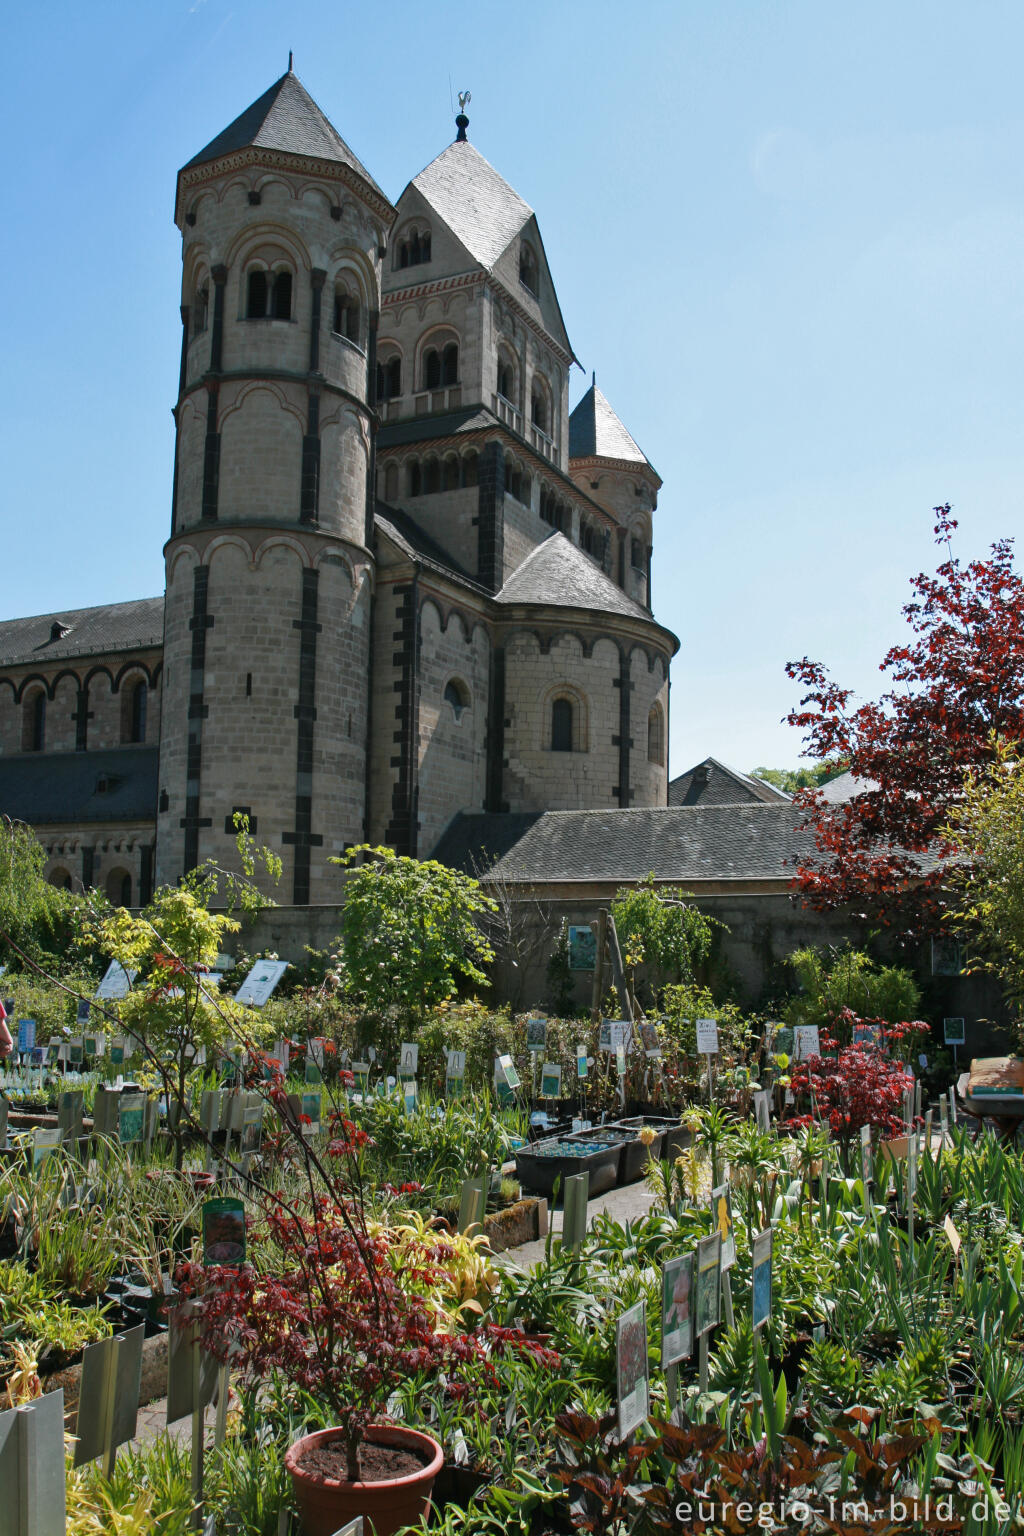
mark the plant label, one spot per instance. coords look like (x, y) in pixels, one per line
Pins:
(582, 949)
(762, 1278)
(953, 1032)
(620, 1060)
(631, 1368)
(94, 1045)
(312, 1074)
(410, 1096)
(409, 1059)
(866, 1166)
(581, 1063)
(131, 1118)
(721, 1215)
(108, 1401)
(224, 1232)
(186, 1393)
(806, 1041)
(943, 1117)
(551, 1080)
(677, 1310)
(116, 983)
(315, 1050)
(32, 1476)
(74, 1056)
(651, 1042)
(509, 1072)
(258, 986)
(707, 1037)
(536, 1033)
(613, 1034)
(353, 1528)
(309, 1117)
(26, 1035)
(911, 1167)
(708, 1284)
(763, 1110)
(70, 1110)
(868, 1034)
(117, 1050)
(952, 1235)
(952, 1106)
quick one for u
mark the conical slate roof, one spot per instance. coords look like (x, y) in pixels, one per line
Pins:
(595, 432)
(287, 119)
(559, 575)
(474, 200)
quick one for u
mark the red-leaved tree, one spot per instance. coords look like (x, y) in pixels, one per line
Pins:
(954, 685)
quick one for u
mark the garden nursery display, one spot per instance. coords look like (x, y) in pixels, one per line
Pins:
(295, 1214)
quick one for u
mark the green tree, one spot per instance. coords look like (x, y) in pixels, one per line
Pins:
(833, 979)
(987, 827)
(659, 927)
(792, 779)
(410, 930)
(35, 917)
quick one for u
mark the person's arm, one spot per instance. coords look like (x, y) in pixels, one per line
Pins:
(6, 1039)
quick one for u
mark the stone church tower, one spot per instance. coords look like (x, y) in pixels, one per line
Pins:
(269, 563)
(405, 586)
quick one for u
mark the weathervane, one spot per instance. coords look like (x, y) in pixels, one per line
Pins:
(462, 121)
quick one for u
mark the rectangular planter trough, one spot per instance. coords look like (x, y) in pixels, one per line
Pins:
(538, 1166)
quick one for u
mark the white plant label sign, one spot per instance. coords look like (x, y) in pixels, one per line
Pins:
(707, 1037)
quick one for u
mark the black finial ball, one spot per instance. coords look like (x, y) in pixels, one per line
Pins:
(461, 123)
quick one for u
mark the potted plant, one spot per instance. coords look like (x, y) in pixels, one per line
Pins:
(346, 1318)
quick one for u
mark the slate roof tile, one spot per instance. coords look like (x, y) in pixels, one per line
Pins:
(474, 200)
(559, 575)
(595, 431)
(713, 783)
(61, 788)
(285, 118)
(112, 627)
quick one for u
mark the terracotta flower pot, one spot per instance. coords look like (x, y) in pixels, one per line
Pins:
(327, 1504)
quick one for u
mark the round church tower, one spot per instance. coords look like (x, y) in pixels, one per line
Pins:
(269, 570)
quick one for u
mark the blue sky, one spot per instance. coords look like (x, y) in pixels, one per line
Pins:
(788, 237)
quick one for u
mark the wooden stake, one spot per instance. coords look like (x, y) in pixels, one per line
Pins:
(597, 994)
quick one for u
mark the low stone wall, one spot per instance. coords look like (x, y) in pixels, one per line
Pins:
(516, 1224)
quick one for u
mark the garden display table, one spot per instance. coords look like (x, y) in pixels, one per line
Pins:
(995, 1091)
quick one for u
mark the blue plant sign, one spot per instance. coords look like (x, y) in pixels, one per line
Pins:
(953, 1032)
(582, 949)
(26, 1035)
(581, 1062)
(677, 1310)
(762, 1282)
(131, 1118)
(551, 1080)
(224, 1231)
(536, 1033)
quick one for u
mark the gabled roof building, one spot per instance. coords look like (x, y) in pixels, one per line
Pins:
(403, 583)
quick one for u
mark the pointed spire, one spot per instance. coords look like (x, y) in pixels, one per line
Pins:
(290, 56)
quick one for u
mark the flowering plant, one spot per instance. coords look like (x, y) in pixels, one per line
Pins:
(858, 1086)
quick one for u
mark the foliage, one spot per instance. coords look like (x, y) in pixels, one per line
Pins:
(858, 1086)
(35, 917)
(837, 982)
(792, 779)
(658, 927)
(955, 681)
(560, 978)
(987, 828)
(410, 930)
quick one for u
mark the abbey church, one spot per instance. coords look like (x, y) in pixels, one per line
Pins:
(403, 583)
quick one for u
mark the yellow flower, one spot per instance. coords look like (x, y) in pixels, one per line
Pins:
(647, 1134)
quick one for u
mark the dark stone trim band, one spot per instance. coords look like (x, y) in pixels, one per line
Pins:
(490, 531)
(317, 278)
(309, 492)
(403, 827)
(220, 277)
(303, 838)
(199, 623)
(495, 783)
(624, 740)
(211, 459)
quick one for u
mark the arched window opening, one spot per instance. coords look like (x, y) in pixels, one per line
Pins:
(415, 478)
(587, 540)
(539, 409)
(346, 315)
(469, 469)
(119, 888)
(432, 369)
(546, 506)
(450, 364)
(431, 477)
(528, 268)
(200, 308)
(655, 736)
(281, 296)
(506, 379)
(389, 378)
(60, 879)
(525, 490)
(33, 728)
(256, 295)
(637, 557)
(457, 695)
(413, 249)
(451, 473)
(561, 725)
(391, 482)
(513, 479)
(133, 716)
